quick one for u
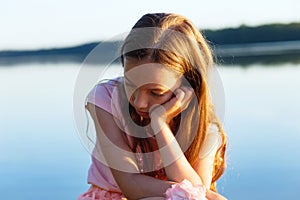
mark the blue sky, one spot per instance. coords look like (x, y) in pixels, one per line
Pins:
(34, 24)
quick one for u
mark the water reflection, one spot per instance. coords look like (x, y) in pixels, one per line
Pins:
(267, 53)
(42, 157)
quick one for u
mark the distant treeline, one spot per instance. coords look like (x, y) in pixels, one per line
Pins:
(246, 34)
(242, 45)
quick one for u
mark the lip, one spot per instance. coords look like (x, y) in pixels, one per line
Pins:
(143, 114)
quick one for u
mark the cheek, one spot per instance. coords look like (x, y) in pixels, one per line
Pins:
(131, 98)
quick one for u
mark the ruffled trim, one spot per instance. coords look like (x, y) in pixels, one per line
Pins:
(97, 193)
(186, 190)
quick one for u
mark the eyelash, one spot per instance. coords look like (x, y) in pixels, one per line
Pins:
(158, 95)
(131, 86)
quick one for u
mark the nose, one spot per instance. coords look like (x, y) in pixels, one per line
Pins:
(140, 100)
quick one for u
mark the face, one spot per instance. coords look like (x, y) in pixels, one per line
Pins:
(147, 84)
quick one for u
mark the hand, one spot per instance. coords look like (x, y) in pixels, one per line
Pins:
(214, 196)
(170, 109)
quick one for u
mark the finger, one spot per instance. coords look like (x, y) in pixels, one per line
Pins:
(188, 95)
(179, 93)
(157, 110)
(153, 107)
(179, 99)
(175, 102)
(188, 91)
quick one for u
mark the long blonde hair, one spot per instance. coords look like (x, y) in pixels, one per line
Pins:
(178, 44)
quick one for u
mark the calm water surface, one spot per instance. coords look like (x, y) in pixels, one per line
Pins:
(41, 155)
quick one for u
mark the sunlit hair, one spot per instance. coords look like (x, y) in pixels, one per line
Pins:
(179, 45)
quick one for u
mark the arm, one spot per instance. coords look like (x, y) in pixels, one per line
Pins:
(201, 172)
(176, 165)
(204, 167)
(113, 147)
(214, 196)
(179, 168)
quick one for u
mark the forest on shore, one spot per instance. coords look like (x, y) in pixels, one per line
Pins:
(240, 45)
(258, 34)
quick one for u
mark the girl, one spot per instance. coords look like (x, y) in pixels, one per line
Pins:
(158, 136)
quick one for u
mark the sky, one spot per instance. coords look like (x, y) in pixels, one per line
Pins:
(35, 24)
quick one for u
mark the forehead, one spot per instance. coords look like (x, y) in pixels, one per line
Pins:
(144, 72)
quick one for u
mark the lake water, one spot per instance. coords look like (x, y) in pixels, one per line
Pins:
(41, 155)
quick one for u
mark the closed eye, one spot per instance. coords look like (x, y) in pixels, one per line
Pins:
(157, 94)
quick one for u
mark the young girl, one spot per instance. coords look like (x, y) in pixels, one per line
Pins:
(158, 136)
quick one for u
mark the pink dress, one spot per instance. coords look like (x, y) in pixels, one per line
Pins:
(103, 185)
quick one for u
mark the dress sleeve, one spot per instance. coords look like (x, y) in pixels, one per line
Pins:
(100, 96)
(106, 96)
(212, 141)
